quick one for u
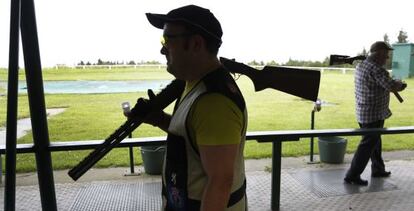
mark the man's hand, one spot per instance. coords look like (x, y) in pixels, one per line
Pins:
(399, 86)
(155, 118)
(403, 86)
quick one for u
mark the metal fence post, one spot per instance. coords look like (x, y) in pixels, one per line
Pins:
(12, 96)
(37, 105)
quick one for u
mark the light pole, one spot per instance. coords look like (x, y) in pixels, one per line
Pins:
(316, 108)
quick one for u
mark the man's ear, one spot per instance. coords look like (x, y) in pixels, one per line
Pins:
(198, 43)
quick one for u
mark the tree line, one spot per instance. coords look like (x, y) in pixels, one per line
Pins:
(401, 38)
(103, 62)
(292, 62)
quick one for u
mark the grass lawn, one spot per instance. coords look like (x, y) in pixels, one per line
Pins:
(95, 116)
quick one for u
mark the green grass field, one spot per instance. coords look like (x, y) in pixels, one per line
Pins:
(95, 116)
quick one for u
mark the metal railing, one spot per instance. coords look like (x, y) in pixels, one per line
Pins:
(274, 137)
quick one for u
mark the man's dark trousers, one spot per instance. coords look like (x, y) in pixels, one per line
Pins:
(369, 147)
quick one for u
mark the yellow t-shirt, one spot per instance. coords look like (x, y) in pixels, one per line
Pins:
(214, 120)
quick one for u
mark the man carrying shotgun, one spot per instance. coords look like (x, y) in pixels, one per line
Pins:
(372, 94)
(204, 165)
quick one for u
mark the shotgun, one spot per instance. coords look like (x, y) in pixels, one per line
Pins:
(299, 82)
(342, 59)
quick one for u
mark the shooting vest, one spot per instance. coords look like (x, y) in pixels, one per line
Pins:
(184, 178)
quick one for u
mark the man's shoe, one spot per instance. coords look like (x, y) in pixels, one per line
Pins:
(356, 181)
(381, 174)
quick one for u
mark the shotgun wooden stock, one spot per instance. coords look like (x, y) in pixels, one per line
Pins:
(302, 83)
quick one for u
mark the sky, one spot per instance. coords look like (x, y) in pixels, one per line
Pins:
(263, 30)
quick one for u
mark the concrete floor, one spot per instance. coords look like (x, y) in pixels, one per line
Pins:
(303, 187)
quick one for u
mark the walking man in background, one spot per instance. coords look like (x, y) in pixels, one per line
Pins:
(373, 85)
(204, 164)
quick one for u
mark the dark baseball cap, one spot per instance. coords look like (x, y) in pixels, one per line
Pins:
(380, 45)
(195, 16)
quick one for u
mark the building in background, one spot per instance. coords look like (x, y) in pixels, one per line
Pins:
(403, 60)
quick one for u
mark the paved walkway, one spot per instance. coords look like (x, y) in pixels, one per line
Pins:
(304, 187)
(24, 125)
